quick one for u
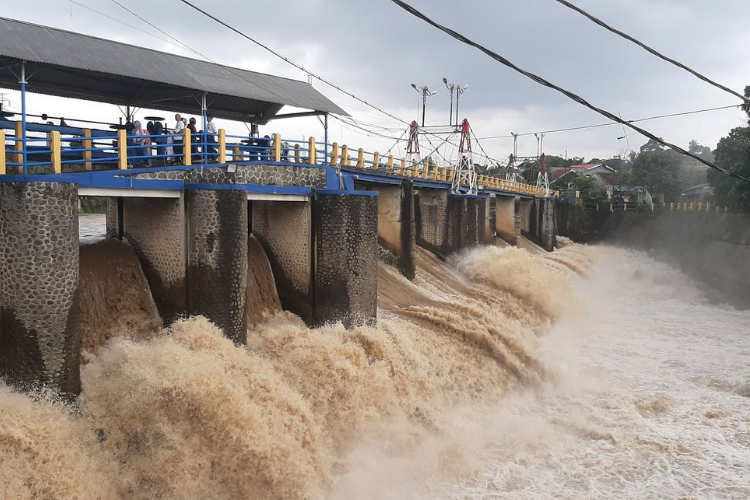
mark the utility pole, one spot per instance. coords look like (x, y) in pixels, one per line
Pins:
(425, 94)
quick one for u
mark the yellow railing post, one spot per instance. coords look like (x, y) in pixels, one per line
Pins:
(56, 155)
(312, 147)
(335, 154)
(297, 155)
(344, 155)
(402, 170)
(122, 150)
(236, 154)
(187, 148)
(19, 146)
(389, 168)
(87, 144)
(376, 161)
(2, 152)
(360, 158)
(425, 169)
(222, 145)
(276, 147)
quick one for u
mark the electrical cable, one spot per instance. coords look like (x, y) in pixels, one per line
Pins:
(497, 57)
(84, 6)
(289, 61)
(609, 124)
(188, 47)
(656, 53)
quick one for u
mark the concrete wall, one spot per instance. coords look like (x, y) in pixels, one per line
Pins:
(156, 230)
(713, 248)
(285, 231)
(396, 224)
(346, 258)
(39, 269)
(217, 259)
(507, 223)
(266, 175)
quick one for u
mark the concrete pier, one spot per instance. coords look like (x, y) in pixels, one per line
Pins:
(447, 224)
(431, 213)
(490, 220)
(217, 259)
(39, 336)
(466, 223)
(155, 227)
(346, 257)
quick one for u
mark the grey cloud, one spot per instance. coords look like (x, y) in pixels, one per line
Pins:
(376, 50)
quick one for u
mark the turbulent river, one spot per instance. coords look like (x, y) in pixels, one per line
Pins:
(590, 373)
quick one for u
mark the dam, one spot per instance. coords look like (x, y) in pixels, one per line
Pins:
(298, 319)
(320, 216)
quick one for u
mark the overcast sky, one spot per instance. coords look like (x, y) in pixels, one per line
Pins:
(376, 50)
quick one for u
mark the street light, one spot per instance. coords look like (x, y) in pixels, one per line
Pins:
(459, 90)
(451, 87)
(425, 94)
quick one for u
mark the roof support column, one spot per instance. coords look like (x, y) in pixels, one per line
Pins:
(204, 140)
(23, 119)
(325, 139)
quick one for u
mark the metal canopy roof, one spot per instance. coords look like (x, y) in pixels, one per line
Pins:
(67, 64)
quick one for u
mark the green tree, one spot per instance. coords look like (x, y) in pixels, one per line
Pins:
(732, 153)
(658, 170)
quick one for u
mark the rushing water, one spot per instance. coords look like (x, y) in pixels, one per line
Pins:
(652, 399)
(502, 374)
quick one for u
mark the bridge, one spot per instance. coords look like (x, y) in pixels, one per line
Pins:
(322, 211)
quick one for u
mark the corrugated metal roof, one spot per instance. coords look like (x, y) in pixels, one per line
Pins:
(75, 65)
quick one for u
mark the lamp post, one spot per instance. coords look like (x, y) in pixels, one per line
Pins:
(459, 90)
(425, 94)
(451, 87)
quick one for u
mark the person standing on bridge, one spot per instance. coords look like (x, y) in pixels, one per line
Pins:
(194, 139)
(211, 138)
(140, 141)
(178, 146)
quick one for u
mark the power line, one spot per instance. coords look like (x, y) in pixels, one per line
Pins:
(84, 6)
(609, 124)
(497, 57)
(200, 54)
(651, 50)
(296, 65)
(289, 61)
